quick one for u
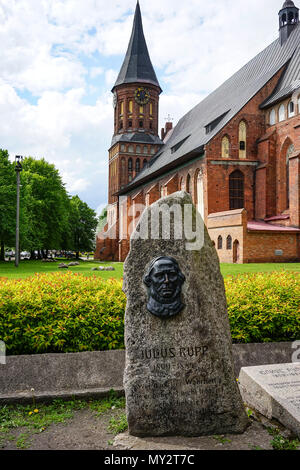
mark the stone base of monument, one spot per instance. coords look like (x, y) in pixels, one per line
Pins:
(274, 391)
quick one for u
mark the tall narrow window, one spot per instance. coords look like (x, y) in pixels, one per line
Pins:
(141, 109)
(242, 139)
(137, 165)
(229, 243)
(220, 242)
(144, 163)
(272, 118)
(288, 154)
(122, 108)
(225, 147)
(236, 190)
(130, 106)
(281, 113)
(291, 109)
(130, 165)
(123, 172)
(138, 149)
(151, 109)
(188, 184)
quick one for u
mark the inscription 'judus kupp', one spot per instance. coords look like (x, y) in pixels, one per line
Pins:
(179, 377)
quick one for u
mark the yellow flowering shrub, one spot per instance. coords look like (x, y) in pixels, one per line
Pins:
(61, 313)
(264, 307)
(68, 312)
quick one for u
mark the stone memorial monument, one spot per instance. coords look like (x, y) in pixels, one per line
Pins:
(274, 391)
(179, 376)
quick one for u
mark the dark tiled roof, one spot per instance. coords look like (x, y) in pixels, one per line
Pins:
(288, 3)
(137, 66)
(229, 98)
(137, 137)
(290, 81)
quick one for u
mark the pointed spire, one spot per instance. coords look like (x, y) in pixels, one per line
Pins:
(137, 66)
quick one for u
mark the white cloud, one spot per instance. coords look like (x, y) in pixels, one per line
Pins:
(96, 71)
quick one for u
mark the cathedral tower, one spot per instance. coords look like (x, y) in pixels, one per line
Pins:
(288, 19)
(136, 105)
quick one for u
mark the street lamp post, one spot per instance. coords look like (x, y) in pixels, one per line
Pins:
(18, 169)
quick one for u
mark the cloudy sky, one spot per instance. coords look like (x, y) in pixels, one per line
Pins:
(59, 60)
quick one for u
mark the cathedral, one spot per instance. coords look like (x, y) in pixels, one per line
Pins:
(237, 152)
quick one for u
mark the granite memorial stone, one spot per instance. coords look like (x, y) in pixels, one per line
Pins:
(274, 391)
(179, 376)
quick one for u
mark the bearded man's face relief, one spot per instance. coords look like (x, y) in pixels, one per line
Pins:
(164, 280)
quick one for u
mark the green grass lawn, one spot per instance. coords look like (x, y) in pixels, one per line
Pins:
(29, 268)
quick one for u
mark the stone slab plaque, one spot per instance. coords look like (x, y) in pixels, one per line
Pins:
(274, 391)
(179, 376)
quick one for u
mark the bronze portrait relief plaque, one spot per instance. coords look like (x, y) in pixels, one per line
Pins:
(164, 281)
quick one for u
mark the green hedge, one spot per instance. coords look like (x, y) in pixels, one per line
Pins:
(264, 307)
(68, 312)
(61, 313)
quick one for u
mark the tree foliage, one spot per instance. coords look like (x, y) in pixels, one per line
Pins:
(7, 202)
(82, 225)
(50, 219)
(45, 206)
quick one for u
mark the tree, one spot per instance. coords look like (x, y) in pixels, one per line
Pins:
(83, 223)
(46, 206)
(7, 203)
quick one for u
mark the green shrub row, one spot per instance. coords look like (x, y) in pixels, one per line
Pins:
(264, 307)
(71, 313)
(61, 313)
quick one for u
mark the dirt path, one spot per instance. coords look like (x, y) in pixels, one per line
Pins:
(88, 431)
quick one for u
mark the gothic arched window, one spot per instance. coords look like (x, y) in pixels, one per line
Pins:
(137, 165)
(281, 113)
(220, 242)
(188, 184)
(291, 109)
(272, 118)
(130, 164)
(144, 162)
(242, 139)
(229, 243)
(289, 152)
(225, 147)
(236, 190)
